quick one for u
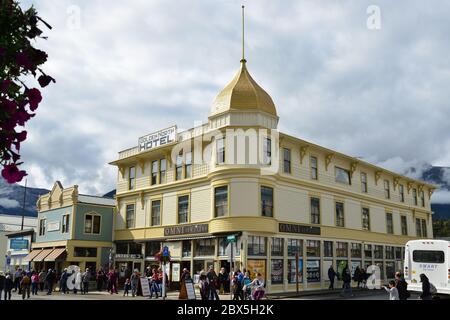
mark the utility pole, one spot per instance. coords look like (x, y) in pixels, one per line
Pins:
(23, 208)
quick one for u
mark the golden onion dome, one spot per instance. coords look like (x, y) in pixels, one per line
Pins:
(243, 94)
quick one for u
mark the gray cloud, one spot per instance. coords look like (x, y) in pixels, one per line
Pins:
(131, 69)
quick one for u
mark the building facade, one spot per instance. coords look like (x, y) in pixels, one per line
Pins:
(190, 190)
(11, 224)
(73, 229)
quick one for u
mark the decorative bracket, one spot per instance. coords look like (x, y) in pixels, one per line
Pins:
(377, 176)
(430, 192)
(328, 159)
(141, 195)
(353, 166)
(122, 172)
(420, 188)
(141, 164)
(303, 151)
(396, 182)
(409, 186)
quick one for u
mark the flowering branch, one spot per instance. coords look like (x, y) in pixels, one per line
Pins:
(18, 60)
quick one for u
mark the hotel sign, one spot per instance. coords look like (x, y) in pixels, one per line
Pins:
(193, 228)
(297, 228)
(157, 139)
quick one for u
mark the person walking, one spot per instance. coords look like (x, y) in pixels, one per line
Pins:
(100, 279)
(246, 286)
(392, 290)
(212, 279)
(85, 278)
(49, 280)
(331, 276)
(126, 287)
(154, 288)
(2, 284)
(42, 276)
(357, 276)
(63, 281)
(236, 286)
(17, 279)
(134, 281)
(34, 283)
(185, 275)
(364, 278)
(347, 279)
(258, 285)
(25, 284)
(204, 287)
(112, 278)
(402, 287)
(426, 288)
(9, 284)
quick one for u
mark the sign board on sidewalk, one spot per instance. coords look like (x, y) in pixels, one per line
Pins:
(190, 289)
(176, 272)
(145, 287)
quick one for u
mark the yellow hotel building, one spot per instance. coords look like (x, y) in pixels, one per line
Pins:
(327, 207)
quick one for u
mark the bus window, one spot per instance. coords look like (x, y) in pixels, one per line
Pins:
(428, 256)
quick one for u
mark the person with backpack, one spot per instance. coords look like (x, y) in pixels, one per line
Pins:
(428, 289)
(347, 279)
(402, 287)
(212, 279)
(86, 277)
(331, 276)
(25, 284)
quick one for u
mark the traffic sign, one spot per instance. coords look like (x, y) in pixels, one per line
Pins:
(165, 252)
(231, 238)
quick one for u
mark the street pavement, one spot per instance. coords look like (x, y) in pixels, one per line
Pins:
(95, 295)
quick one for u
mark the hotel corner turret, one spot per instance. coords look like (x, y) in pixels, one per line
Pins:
(278, 195)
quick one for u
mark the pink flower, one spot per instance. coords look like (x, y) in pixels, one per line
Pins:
(12, 174)
(5, 85)
(45, 80)
(9, 106)
(34, 95)
(21, 136)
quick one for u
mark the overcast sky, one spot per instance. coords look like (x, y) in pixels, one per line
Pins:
(125, 69)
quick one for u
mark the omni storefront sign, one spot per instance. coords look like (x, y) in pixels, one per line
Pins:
(298, 228)
(193, 228)
(157, 139)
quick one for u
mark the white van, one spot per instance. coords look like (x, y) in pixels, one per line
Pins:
(430, 257)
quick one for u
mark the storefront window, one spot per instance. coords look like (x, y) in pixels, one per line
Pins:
(390, 252)
(152, 248)
(390, 269)
(223, 246)
(256, 246)
(341, 249)
(378, 252)
(186, 249)
(295, 246)
(135, 248)
(85, 252)
(368, 251)
(122, 248)
(356, 250)
(328, 248)
(398, 253)
(292, 271)
(313, 271)
(204, 247)
(312, 248)
(277, 247)
(277, 271)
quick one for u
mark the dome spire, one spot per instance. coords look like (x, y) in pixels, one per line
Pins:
(243, 36)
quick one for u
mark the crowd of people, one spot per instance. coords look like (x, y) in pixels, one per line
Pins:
(237, 284)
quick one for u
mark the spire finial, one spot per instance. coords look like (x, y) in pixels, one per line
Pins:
(243, 35)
